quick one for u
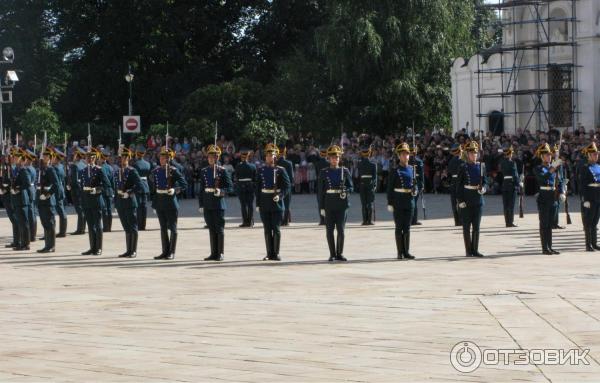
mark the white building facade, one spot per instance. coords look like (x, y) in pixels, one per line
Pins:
(545, 74)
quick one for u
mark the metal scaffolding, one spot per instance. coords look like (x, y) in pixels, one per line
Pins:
(553, 91)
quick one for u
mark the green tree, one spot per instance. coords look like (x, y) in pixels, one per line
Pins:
(40, 118)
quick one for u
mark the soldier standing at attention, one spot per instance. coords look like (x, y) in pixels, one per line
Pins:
(32, 208)
(453, 166)
(272, 184)
(57, 159)
(167, 182)
(245, 174)
(19, 190)
(470, 188)
(215, 183)
(334, 188)
(46, 199)
(589, 179)
(367, 172)
(6, 174)
(320, 165)
(128, 182)
(546, 175)
(143, 168)
(510, 183)
(93, 181)
(420, 180)
(108, 193)
(289, 168)
(75, 187)
(561, 181)
(401, 187)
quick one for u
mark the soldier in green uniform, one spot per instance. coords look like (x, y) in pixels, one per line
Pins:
(57, 158)
(245, 176)
(6, 173)
(289, 168)
(367, 173)
(470, 187)
(19, 190)
(127, 183)
(401, 188)
(46, 199)
(272, 184)
(547, 202)
(320, 165)
(108, 193)
(93, 182)
(453, 166)
(420, 180)
(215, 183)
(589, 179)
(167, 182)
(143, 168)
(75, 188)
(334, 188)
(510, 185)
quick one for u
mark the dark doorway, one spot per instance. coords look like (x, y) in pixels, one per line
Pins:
(496, 123)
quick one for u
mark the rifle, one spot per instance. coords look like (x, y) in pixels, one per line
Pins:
(217, 191)
(567, 211)
(40, 159)
(167, 163)
(481, 164)
(522, 193)
(343, 194)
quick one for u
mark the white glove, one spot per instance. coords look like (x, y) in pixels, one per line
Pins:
(154, 211)
(462, 205)
(1, 191)
(521, 185)
(322, 211)
(258, 209)
(390, 208)
(200, 210)
(93, 191)
(68, 187)
(171, 191)
(482, 190)
(13, 192)
(43, 197)
(587, 204)
(562, 198)
(218, 192)
(556, 163)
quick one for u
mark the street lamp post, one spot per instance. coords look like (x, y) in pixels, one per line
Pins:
(129, 78)
(8, 82)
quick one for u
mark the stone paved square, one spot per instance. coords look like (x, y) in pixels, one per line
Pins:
(72, 318)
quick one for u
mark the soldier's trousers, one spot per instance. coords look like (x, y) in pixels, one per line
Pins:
(591, 216)
(142, 210)
(367, 196)
(415, 216)
(454, 203)
(62, 215)
(23, 227)
(508, 202)
(93, 218)
(271, 225)
(47, 214)
(167, 218)
(11, 216)
(546, 213)
(107, 213)
(80, 214)
(556, 214)
(246, 203)
(403, 219)
(32, 216)
(471, 220)
(215, 220)
(129, 219)
(335, 220)
(287, 202)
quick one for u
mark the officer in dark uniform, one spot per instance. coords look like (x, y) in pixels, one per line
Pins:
(143, 168)
(548, 183)
(32, 208)
(46, 199)
(272, 184)
(167, 182)
(245, 176)
(510, 185)
(401, 187)
(19, 190)
(470, 187)
(108, 193)
(320, 165)
(6, 173)
(334, 188)
(589, 179)
(215, 183)
(93, 182)
(562, 181)
(367, 172)
(289, 168)
(128, 182)
(420, 180)
(57, 158)
(453, 166)
(75, 187)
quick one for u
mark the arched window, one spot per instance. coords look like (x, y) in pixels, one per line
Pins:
(559, 26)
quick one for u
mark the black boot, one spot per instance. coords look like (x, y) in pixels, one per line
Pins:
(475, 244)
(33, 231)
(545, 249)
(340, 248)
(364, 216)
(62, 227)
(250, 216)
(133, 248)
(549, 241)
(49, 242)
(213, 246)
(594, 238)
(127, 245)
(269, 245)
(164, 240)
(99, 236)
(406, 241)
(244, 218)
(331, 244)
(92, 240)
(276, 243)
(399, 245)
(220, 246)
(172, 246)
(588, 240)
(468, 246)
(321, 220)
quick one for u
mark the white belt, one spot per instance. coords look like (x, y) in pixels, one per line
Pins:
(366, 176)
(162, 191)
(334, 191)
(209, 190)
(594, 185)
(508, 177)
(121, 192)
(472, 187)
(546, 188)
(269, 191)
(87, 188)
(403, 190)
(15, 191)
(144, 178)
(245, 179)
(454, 175)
